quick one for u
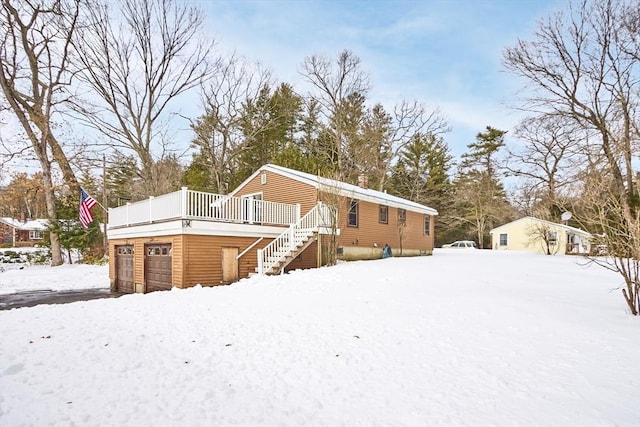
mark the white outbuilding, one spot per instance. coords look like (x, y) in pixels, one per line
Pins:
(540, 236)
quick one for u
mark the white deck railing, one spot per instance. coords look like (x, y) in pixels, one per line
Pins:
(188, 204)
(271, 257)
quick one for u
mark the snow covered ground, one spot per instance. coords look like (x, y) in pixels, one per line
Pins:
(462, 338)
(62, 278)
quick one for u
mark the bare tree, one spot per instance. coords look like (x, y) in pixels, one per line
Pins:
(618, 233)
(542, 234)
(411, 119)
(547, 158)
(375, 141)
(34, 76)
(137, 58)
(332, 195)
(335, 83)
(583, 65)
(220, 133)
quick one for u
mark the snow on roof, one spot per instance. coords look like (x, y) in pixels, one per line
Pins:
(33, 224)
(552, 224)
(10, 222)
(344, 189)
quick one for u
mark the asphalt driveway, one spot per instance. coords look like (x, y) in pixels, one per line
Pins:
(33, 298)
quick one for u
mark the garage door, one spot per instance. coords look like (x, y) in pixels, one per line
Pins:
(124, 268)
(157, 267)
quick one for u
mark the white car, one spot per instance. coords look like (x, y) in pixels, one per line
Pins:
(466, 244)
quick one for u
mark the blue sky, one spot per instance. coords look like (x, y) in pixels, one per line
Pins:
(445, 54)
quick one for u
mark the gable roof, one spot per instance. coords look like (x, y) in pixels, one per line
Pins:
(549, 223)
(343, 189)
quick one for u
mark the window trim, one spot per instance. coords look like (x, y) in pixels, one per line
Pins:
(427, 225)
(351, 204)
(35, 235)
(506, 239)
(386, 214)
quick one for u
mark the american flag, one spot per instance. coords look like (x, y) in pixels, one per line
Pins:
(86, 203)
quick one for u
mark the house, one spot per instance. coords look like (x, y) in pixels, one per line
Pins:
(540, 236)
(22, 233)
(277, 220)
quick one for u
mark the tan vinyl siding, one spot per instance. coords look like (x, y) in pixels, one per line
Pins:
(112, 259)
(307, 259)
(370, 231)
(138, 260)
(178, 268)
(203, 257)
(414, 237)
(282, 190)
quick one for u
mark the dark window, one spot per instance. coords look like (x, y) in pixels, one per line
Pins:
(503, 239)
(383, 216)
(402, 216)
(427, 225)
(552, 237)
(352, 220)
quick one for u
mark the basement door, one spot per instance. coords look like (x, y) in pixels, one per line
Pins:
(230, 269)
(157, 267)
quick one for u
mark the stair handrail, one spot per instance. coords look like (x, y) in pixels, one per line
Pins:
(286, 242)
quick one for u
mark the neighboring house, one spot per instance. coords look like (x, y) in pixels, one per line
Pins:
(277, 220)
(22, 233)
(540, 236)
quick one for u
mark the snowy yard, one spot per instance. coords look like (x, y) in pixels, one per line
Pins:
(462, 338)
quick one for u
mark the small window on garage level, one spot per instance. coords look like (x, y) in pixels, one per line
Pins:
(383, 215)
(427, 225)
(352, 220)
(503, 239)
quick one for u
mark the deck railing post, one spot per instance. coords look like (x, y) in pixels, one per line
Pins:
(260, 262)
(291, 236)
(150, 209)
(128, 206)
(183, 200)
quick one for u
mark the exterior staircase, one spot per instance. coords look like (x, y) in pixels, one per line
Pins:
(274, 257)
